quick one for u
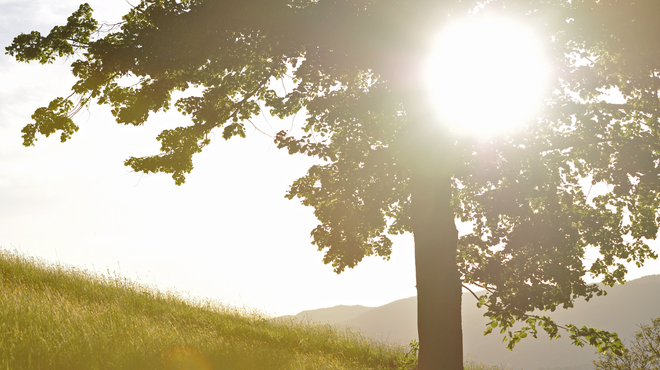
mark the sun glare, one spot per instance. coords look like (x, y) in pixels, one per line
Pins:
(485, 75)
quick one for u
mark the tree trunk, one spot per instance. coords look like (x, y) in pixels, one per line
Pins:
(426, 149)
(438, 279)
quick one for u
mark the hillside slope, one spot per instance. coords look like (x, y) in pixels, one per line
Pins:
(622, 310)
(59, 317)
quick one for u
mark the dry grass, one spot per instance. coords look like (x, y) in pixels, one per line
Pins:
(58, 317)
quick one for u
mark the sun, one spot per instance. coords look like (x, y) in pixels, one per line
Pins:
(486, 75)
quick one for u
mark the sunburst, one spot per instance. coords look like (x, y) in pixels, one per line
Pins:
(486, 74)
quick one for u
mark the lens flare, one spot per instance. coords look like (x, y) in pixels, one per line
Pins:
(185, 358)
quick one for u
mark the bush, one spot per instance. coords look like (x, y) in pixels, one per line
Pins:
(642, 354)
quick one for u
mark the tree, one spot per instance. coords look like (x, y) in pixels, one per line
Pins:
(642, 354)
(390, 166)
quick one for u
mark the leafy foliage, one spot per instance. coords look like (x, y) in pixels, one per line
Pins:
(61, 41)
(349, 63)
(409, 360)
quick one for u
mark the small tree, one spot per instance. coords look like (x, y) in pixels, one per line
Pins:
(642, 354)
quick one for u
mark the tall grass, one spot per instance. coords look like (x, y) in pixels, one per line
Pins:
(60, 317)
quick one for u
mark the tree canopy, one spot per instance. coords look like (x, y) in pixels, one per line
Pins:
(350, 64)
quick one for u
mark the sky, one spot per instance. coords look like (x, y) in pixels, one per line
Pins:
(227, 234)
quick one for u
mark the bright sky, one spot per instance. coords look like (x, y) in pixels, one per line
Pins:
(227, 234)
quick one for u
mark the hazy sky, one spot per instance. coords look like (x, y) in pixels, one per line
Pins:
(227, 234)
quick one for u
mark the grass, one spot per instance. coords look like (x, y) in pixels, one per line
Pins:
(60, 317)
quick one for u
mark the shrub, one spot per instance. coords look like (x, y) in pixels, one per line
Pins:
(642, 354)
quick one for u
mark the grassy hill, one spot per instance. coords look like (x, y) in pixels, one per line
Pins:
(56, 317)
(59, 317)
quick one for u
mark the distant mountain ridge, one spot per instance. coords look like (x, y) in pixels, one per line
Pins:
(623, 309)
(334, 315)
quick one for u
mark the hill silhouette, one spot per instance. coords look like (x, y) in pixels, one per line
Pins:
(622, 310)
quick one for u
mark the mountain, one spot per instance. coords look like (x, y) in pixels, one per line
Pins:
(333, 315)
(622, 310)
